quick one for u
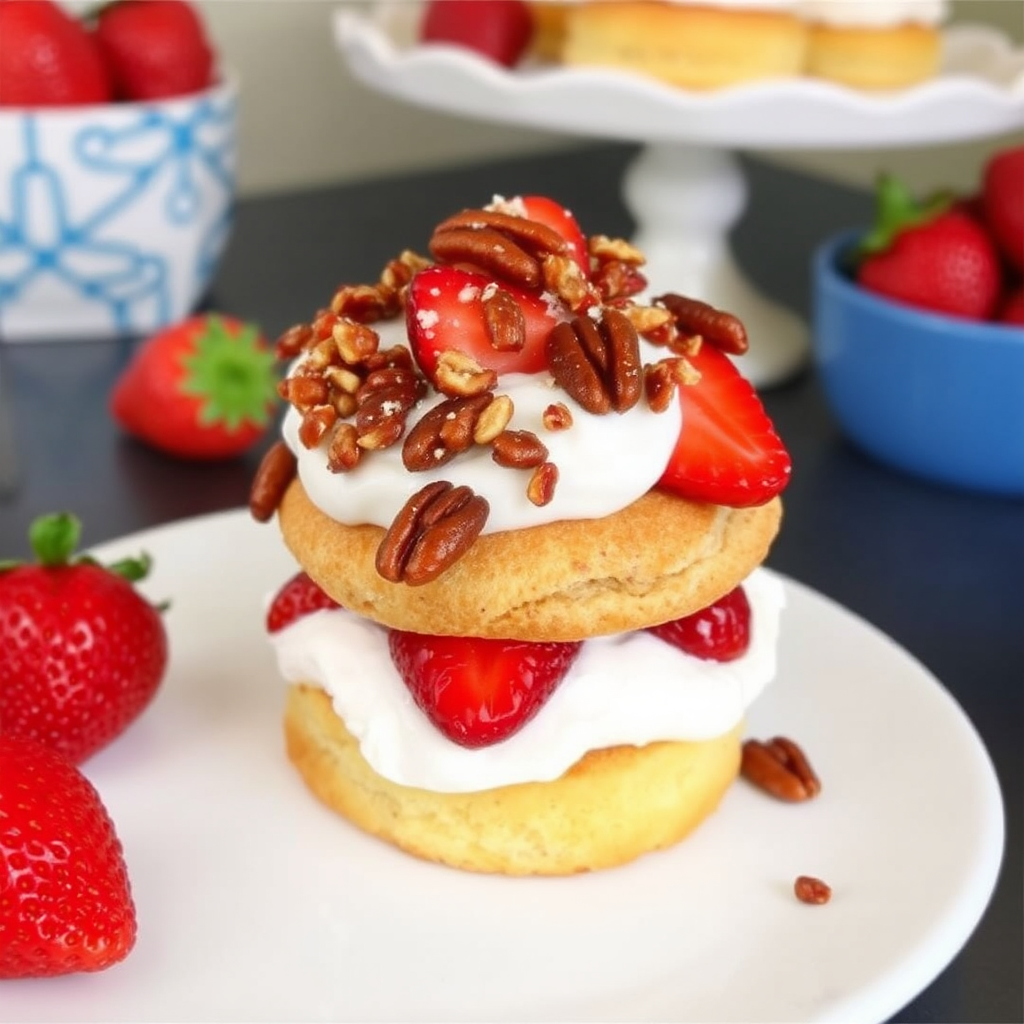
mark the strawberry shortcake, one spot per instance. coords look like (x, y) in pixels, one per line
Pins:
(529, 503)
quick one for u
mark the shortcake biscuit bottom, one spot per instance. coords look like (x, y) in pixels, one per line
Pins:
(608, 809)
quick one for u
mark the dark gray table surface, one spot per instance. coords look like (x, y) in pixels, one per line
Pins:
(941, 572)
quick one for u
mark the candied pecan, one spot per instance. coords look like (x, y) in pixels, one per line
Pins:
(444, 431)
(662, 378)
(494, 418)
(563, 277)
(541, 488)
(460, 375)
(518, 449)
(316, 422)
(721, 329)
(365, 303)
(780, 768)
(598, 364)
(809, 889)
(557, 416)
(531, 235)
(504, 320)
(344, 452)
(431, 532)
(292, 341)
(490, 251)
(273, 475)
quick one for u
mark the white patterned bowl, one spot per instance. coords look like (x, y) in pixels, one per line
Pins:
(113, 217)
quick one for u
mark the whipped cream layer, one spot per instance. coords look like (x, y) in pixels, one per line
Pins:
(629, 688)
(875, 13)
(604, 462)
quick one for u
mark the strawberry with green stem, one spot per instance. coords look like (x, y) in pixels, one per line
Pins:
(930, 255)
(204, 388)
(83, 651)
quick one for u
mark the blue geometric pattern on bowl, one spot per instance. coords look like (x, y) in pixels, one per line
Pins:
(113, 218)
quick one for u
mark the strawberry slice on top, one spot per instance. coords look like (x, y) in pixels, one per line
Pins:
(728, 452)
(555, 216)
(479, 691)
(447, 308)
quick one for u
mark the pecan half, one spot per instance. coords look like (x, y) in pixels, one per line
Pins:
(504, 320)
(531, 235)
(718, 328)
(431, 532)
(598, 364)
(444, 431)
(489, 250)
(273, 475)
(780, 768)
(518, 449)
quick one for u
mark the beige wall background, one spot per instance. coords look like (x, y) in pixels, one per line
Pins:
(307, 122)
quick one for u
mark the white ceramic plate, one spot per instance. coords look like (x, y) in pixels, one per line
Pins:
(256, 904)
(979, 92)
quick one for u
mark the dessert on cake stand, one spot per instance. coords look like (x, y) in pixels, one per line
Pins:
(685, 189)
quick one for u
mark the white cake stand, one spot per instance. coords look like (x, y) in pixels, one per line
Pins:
(686, 190)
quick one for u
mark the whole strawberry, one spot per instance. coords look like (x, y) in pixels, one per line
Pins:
(500, 30)
(933, 256)
(155, 48)
(65, 897)
(83, 651)
(48, 58)
(1002, 199)
(201, 389)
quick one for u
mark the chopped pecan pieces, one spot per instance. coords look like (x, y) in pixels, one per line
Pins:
(809, 889)
(444, 431)
(431, 532)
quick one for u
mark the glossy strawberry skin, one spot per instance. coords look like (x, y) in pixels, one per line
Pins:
(728, 452)
(558, 218)
(200, 389)
(719, 632)
(155, 48)
(298, 597)
(65, 896)
(48, 58)
(500, 30)
(479, 692)
(83, 655)
(1002, 200)
(444, 310)
(947, 265)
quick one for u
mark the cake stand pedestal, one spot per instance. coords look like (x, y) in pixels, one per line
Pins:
(686, 190)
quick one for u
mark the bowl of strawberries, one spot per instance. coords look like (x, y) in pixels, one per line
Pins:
(117, 167)
(918, 331)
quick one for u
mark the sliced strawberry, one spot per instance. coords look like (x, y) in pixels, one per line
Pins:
(445, 310)
(478, 692)
(728, 452)
(720, 632)
(298, 597)
(558, 218)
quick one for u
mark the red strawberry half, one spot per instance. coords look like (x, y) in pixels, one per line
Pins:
(1003, 202)
(445, 310)
(298, 597)
(478, 692)
(720, 632)
(728, 452)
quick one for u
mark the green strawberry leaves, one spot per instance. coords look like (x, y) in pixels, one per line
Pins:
(233, 375)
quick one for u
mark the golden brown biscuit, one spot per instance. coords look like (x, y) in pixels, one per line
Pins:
(609, 808)
(693, 47)
(875, 59)
(658, 559)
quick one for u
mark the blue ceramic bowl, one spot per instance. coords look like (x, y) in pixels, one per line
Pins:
(113, 216)
(937, 397)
